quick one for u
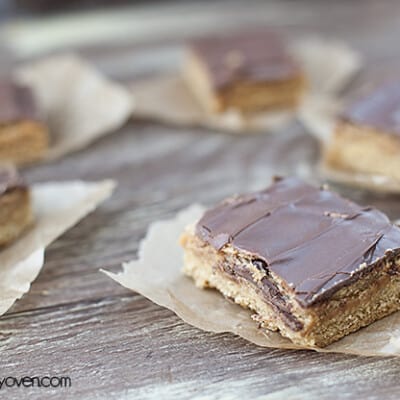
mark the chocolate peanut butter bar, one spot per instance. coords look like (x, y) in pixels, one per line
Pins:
(310, 264)
(367, 136)
(248, 72)
(15, 206)
(23, 136)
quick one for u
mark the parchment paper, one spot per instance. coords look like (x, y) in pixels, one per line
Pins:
(157, 275)
(57, 207)
(328, 64)
(78, 103)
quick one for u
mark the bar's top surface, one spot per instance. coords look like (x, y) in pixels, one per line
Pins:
(251, 56)
(311, 238)
(380, 109)
(9, 179)
(16, 103)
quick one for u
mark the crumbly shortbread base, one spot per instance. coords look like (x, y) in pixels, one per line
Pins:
(363, 149)
(23, 142)
(370, 298)
(241, 95)
(15, 214)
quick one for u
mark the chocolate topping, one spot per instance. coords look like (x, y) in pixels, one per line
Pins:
(380, 110)
(16, 103)
(256, 57)
(313, 239)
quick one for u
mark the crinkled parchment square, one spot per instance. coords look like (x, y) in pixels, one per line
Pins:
(157, 275)
(57, 206)
(77, 102)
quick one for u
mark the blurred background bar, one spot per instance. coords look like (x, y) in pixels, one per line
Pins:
(51, 6)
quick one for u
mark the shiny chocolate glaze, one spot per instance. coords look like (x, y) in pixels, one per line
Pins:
(380, 109)
(313, 239)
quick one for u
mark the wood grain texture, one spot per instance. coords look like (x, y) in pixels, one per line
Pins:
(115, 344)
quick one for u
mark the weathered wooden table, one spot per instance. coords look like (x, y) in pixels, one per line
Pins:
(113, 343)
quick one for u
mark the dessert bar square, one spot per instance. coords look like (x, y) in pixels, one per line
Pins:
(247, 72)
(15, 206)
(310, 264)
(367, 136)
(23, 137)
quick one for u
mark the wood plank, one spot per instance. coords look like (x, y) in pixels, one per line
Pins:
(116, 344)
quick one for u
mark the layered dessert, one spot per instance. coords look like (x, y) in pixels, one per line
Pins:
(367, 136)
(23, 135)
(15, 206)
(310, 264)
(249, 72)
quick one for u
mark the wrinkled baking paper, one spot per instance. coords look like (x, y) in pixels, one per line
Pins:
(57, 207)
(78, 103)
(157, 275)
(328, 64)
